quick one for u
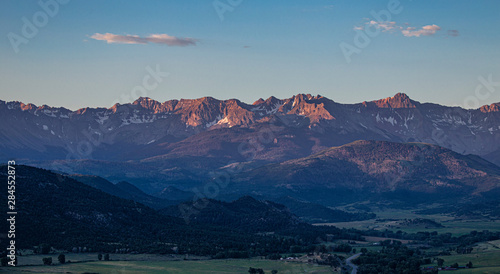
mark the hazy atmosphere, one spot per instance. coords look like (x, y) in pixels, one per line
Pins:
(233, 136)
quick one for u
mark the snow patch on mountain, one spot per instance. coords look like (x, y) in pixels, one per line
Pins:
(223, 121)
(214, 122)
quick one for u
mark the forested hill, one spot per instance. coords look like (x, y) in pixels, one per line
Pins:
(61, 212)
(246, 214)
(64, 213)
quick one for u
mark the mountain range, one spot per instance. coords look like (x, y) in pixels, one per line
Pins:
(147, 129)
(306, 147)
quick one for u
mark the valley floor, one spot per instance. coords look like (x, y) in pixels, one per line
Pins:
(391, 219)
(485, 257)
(182, 266)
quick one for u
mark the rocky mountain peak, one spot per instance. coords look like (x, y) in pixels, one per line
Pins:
(491, 108)
(258, 102)
(302, 97)
(28, 106)
(207, 100)
(147, 103)
(84, 110)
(115, 107)
(272, 100)
(400, 100)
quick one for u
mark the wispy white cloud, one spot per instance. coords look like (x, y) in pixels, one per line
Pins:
(424, 31)
(164, 39)
(407, 31)
(384, 26)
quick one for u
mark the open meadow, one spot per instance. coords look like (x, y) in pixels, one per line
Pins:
(391, 219)
(179, 266)
(485, 258)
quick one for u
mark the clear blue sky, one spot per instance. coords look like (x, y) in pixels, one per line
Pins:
(260, 48)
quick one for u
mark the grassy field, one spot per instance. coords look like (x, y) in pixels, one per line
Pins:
(86, 257)
(451, 225)
(202, 266)
(484, 270)
(485, 258)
